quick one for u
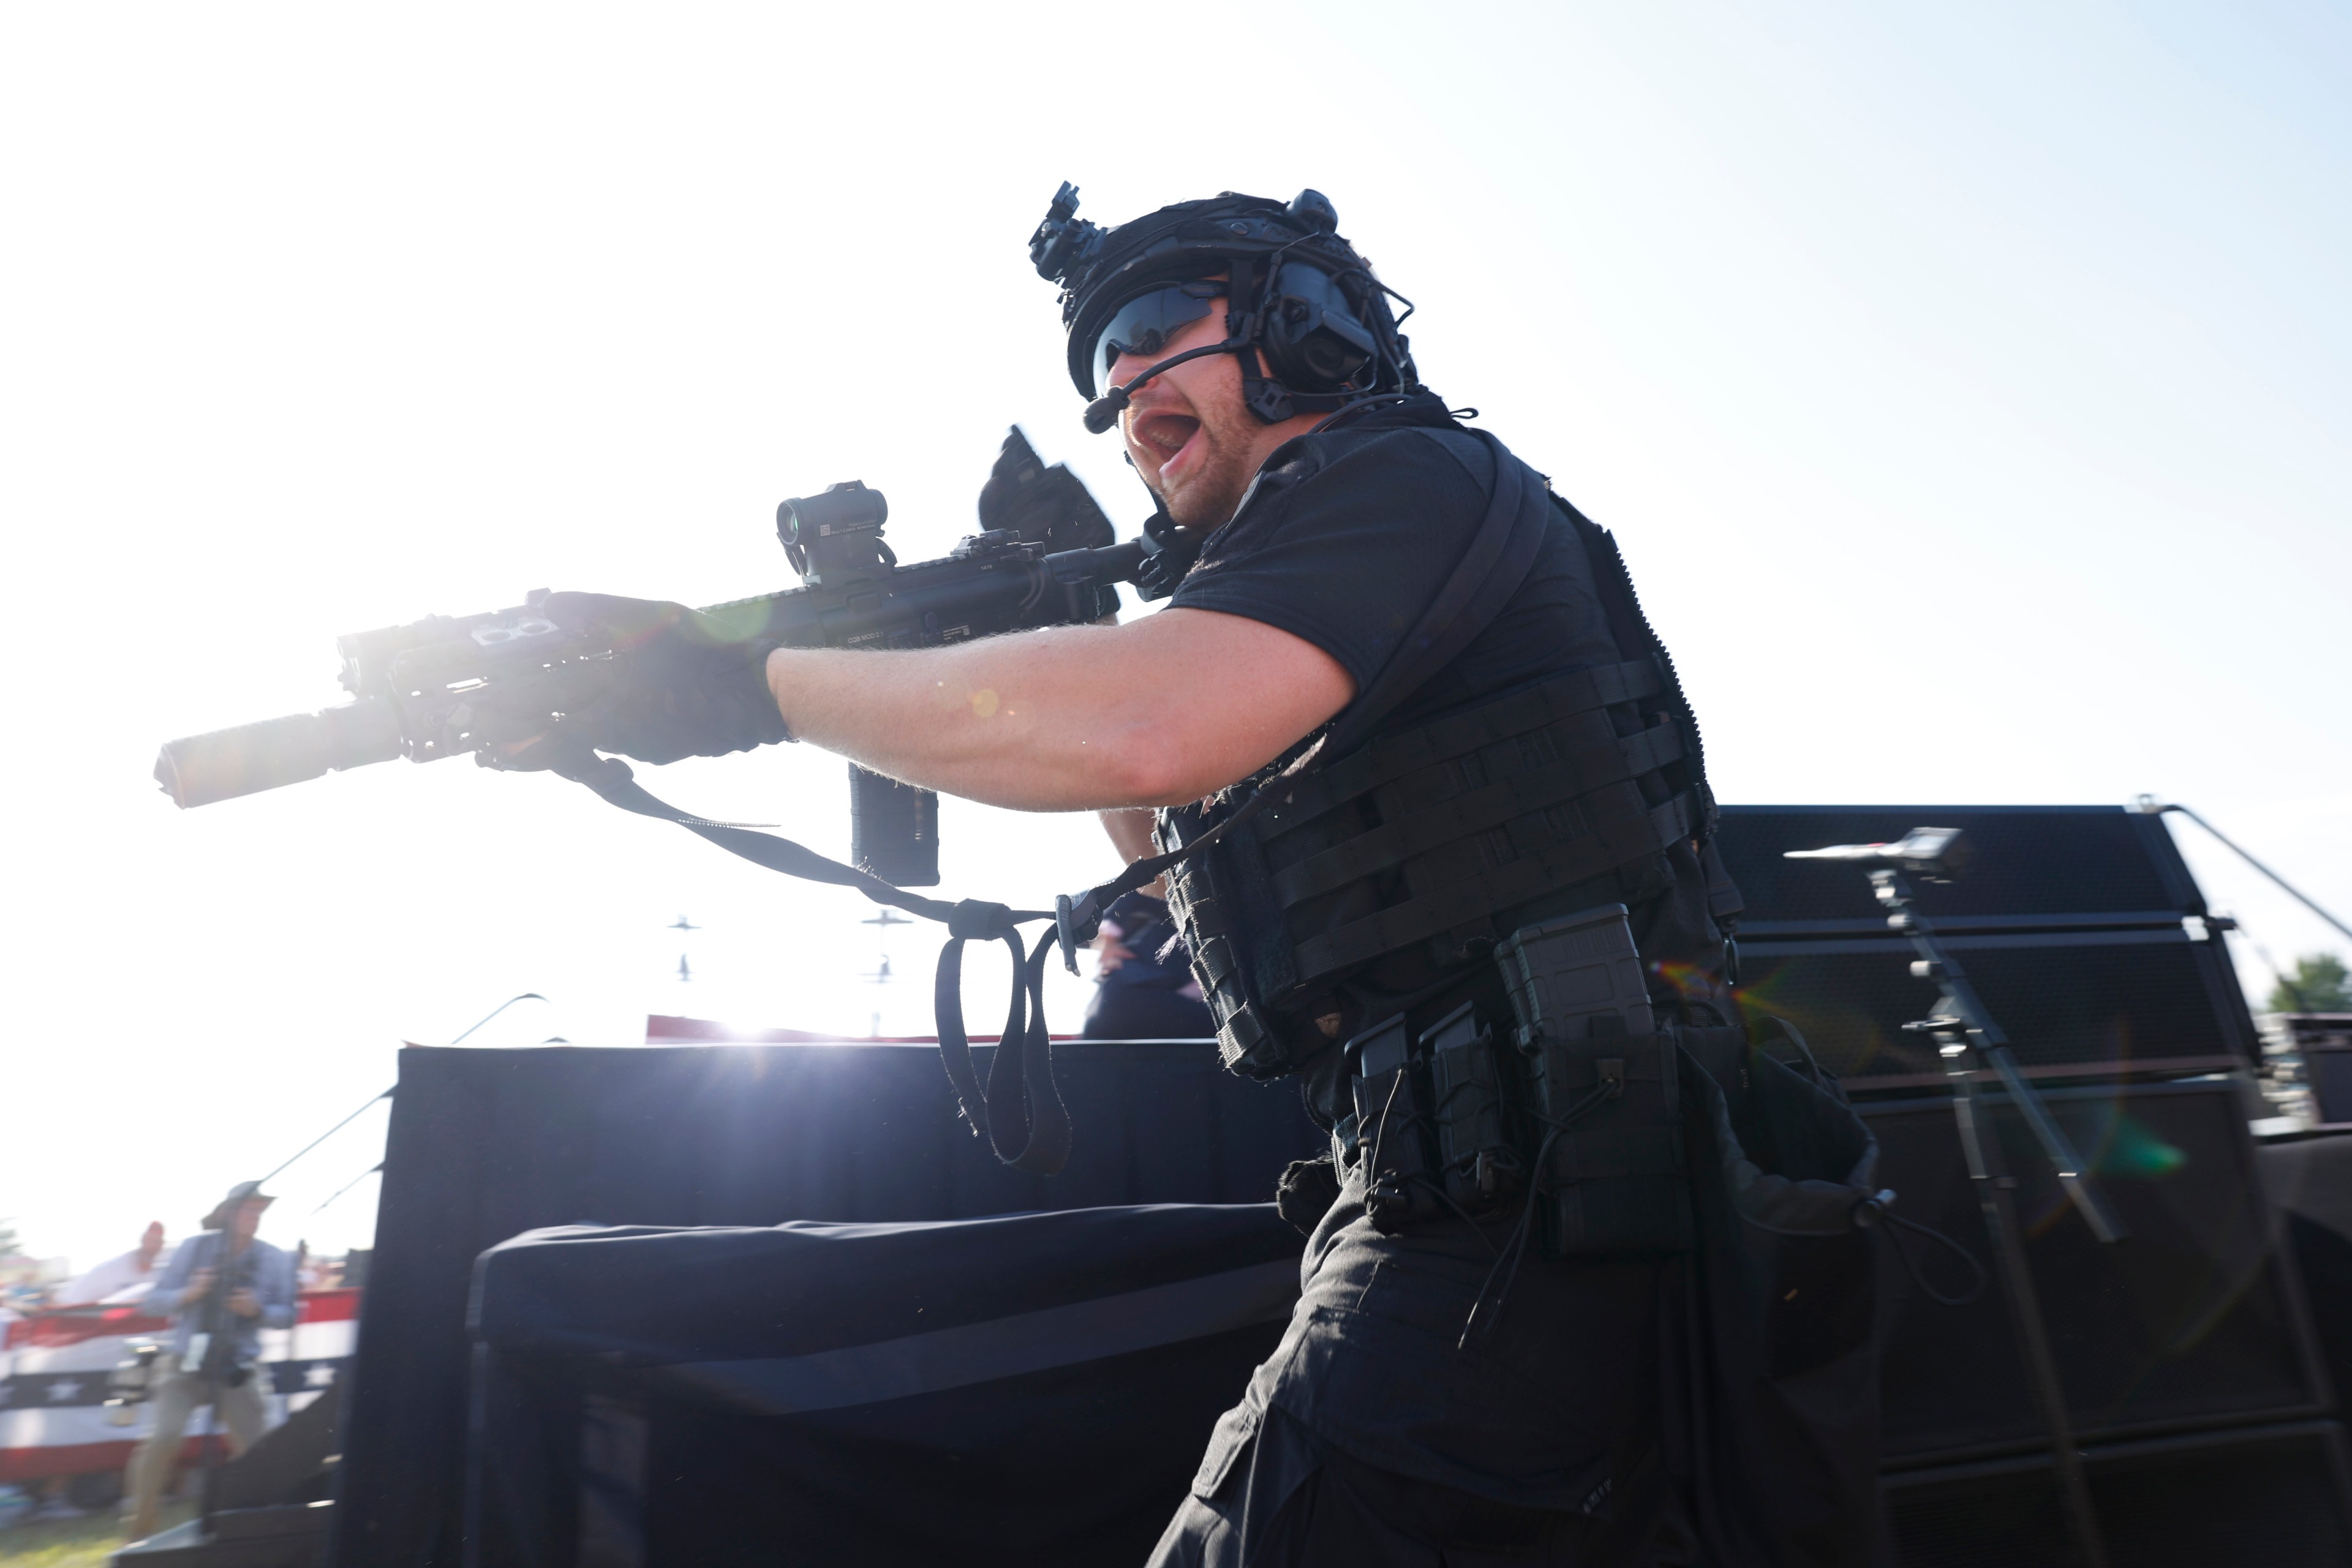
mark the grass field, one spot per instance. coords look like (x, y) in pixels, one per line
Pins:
(74, 1542)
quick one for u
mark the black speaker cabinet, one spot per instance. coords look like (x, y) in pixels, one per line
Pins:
(2080, 925)
(2073, 1004)
(2309, 1178)
(2263, 1496)
(2324, 1040)
(2196, 1319)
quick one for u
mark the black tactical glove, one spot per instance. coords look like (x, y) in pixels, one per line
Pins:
(1308, 1190)
(684, 685)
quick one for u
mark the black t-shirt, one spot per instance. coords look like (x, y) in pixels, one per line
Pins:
(1346, 535)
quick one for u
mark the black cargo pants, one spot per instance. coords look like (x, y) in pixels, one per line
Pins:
(1291, 1500)
(1378, 1433)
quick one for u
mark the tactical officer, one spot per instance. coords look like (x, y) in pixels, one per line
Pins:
(1345, 564)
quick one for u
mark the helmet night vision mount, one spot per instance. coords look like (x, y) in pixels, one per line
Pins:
(1295, 292)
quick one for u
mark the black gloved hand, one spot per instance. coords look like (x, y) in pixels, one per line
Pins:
(685, 687)
(1308, 1190)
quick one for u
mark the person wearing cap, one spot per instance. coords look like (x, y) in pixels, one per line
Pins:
(214, 1345)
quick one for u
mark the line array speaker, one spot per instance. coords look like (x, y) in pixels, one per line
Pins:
(2196, 1318)
(2324, 1040)
(2081, 926)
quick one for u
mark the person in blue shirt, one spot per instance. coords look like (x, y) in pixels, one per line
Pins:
(210, 1357)
(1141, 994)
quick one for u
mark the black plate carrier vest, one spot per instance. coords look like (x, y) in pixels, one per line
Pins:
(1427, 836)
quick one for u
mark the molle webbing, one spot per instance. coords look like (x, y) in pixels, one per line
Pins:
(1471, 814)
(1441, 740)
(1241, 1038)
(1474, 793)
(1491, 878)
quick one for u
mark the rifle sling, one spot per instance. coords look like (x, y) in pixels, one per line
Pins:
(1021, 1111)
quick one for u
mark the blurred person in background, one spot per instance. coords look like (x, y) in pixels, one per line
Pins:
(317, 1272)
(130, 1276)
(1144, 988)
(135, 1268)
(1138, 995)
(222, 1288)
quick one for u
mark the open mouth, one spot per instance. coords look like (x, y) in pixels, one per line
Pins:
(1165, 435)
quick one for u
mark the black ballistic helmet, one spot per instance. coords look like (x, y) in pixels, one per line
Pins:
(1293, 288)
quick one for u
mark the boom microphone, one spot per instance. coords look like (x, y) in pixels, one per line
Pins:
(1103, 410)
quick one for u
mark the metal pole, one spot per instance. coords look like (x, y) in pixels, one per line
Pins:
(526, 996)
(330, 1132)
(1963, 1025)
(1995, 1188)
(347, 1187)
(1964, 1022)
(2149, 803)
(354, 1116)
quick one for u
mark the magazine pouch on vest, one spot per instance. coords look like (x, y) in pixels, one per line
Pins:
(1601, 1099)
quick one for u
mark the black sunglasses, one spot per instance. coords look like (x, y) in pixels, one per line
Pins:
(1145, 324)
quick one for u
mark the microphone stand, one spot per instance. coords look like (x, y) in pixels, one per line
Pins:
(1962, 1027)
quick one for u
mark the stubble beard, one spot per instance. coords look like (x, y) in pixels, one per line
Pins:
(1206, 501)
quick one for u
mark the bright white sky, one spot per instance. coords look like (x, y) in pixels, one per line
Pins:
(1968, 387)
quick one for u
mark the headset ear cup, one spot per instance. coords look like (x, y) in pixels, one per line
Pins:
(1318, 360)
(1314, 341)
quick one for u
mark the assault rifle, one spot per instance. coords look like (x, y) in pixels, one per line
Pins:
(449, 685)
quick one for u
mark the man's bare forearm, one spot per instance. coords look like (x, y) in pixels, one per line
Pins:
(1069, 718)
(1009, 721)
